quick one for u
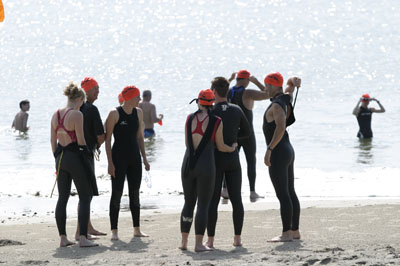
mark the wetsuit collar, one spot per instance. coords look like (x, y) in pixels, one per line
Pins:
(236, 89)
(276, 96)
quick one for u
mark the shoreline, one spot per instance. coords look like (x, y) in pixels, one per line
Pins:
(365, 234)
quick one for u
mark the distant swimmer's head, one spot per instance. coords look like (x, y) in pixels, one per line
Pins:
(365, 98)
(24, 105)
(120, 98)
(146, 95)
(220, 86)
(242, 78)
(91, 88)
(74, 93)
(131, 93)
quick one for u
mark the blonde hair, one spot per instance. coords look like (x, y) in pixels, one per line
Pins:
(73, 92)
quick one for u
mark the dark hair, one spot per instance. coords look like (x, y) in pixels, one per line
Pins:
(221, 85)
(146, 93)
(23, 103)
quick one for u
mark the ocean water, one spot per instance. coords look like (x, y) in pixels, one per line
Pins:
(340, 49)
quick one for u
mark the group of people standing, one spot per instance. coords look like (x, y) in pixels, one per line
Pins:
(213, 137)
(77, 132)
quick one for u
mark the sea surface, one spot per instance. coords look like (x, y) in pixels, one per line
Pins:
(341, 49)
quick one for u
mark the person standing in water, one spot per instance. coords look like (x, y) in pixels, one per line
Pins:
(279, 156)
(227, 164)
(244, 98)
(364, 115)
(70, 153)
(125, 123)
(94, 132)
(202, 130)
(21, 118)
(149, 114)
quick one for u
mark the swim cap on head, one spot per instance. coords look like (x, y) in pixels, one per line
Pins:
(206, 97)
(243, 74)
(120, 98)
(88, 83)
(365, 97)
(130, 92)
(275, 79)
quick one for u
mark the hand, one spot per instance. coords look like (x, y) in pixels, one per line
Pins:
(373, 99)
(146, 165)
(234, 145)
(267, 158)
(232, 76)
(111, 170)
(294, 81)
(160, 116)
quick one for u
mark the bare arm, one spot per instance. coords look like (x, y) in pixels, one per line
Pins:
(232, 77)
(356, 109)
(154, 116)
(25, 122)
(255, 81)
(111, 121)
(381, 108)
(53, 134)
(256, 95)
(291, 84)
(140, 138)
(280, 121)
(219, 139)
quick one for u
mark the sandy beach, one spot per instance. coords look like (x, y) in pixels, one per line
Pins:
(357, 235)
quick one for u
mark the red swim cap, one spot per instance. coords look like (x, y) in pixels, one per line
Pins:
(130, 92)
(365, 97)
(243, 74)
(275, 79)
(206, 97)
(88, 83)
(120, 98)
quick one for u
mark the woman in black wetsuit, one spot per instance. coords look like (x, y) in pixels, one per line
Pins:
(279, 156)
(202, 130)
(125, 123)
(70, 153)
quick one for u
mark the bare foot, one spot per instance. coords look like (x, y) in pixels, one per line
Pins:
(281, 238)
(96, 233)
(202, 248)
(64, 242)
(237, 241)
(224, 193)
(255, 196)
(90, 237)
(138, 233)
(184, 242)
(86, 243)
(114, 234)
(210, 242)
(296, 234)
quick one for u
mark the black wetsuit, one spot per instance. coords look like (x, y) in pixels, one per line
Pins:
(235, 95)
(228, 166)
(281, 169)
(364, 121)
(127, 162)
(198, 176)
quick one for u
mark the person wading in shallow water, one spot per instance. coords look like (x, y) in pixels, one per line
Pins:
(364, 115)
(279, 156)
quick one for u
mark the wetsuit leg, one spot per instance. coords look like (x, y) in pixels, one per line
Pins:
(249, 147)
(281, 157)
(233, 177)
(117, 187)
(134, 177)
(213, 209)
(205, 189)
(64, 189)
(295, 200)
(190, 193)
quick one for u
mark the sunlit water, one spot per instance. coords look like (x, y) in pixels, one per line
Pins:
(341, 49)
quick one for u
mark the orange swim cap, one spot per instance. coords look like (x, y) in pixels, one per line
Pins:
(130, 92)
(275, 79)
(88, 83)
(120, 98)
(243, 74)
(206, 97)
(365, 97)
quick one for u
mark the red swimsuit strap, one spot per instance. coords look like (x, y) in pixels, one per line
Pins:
(199, 126)
(71, 133)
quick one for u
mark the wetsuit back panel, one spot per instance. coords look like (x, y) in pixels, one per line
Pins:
(235, 95)
(364, 121)
(125, 131)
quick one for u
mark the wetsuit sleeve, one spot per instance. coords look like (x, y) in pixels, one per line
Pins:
(216, 125)
(97, 123)
(244, 130)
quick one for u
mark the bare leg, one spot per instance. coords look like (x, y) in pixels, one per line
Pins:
(183, 245)
(210, 242)
(86, 243)
(285, 237)
(199, 247)
(237, 241)
(64, 242)
(224, 193)
(114, 234)
(138, 233)
(296, 234)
